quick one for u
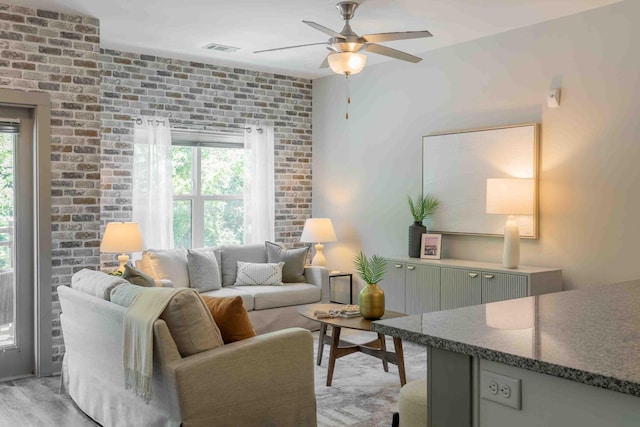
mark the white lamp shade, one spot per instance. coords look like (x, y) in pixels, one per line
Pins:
(512, 314)
(510, 196)
(121, 237)
(318, 230)
(347, 62)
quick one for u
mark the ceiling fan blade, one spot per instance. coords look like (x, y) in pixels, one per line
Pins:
(325, 63)
(289, 47)
(324, 29)
(393, 53)
(388, 37)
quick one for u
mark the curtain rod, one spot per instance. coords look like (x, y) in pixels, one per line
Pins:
(140, 121)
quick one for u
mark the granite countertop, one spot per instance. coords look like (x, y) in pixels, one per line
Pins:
(590, 335)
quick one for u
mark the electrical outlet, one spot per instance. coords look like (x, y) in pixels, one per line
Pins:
(493, 387)
(505, 391)
(501, 389)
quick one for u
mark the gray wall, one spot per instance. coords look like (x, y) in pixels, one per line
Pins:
(589, 202)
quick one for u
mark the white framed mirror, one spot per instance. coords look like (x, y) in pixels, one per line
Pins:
(455, 169)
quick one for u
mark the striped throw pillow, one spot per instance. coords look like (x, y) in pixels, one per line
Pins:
(252, 274)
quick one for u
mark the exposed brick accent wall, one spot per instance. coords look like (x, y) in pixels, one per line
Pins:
(195, 95)
(92, 91)
(59, 54)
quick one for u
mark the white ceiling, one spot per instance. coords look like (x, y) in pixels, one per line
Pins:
(179, 28)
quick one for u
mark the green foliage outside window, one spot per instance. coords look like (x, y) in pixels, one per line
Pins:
(6, 196)
(182, 167)
(223, 223)
(182, 223)
(216, 198)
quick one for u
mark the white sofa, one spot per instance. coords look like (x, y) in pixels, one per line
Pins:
(259, 381)
(270, 308)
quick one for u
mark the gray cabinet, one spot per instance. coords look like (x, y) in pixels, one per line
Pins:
(393, 286)
(416, 286)
(460, 288)
(500, 286)
(422, 293)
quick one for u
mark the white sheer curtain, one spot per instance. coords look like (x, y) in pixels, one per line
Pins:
(259, 185)
(152, 185)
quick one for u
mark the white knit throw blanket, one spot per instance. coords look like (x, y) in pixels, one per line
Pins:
(138, 338)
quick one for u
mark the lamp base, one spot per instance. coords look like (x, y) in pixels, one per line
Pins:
(123, 258)
(319, 259)
(511, 251)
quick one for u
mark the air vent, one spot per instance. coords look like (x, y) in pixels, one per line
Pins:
(221, 48)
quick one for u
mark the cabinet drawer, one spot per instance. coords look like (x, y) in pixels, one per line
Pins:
(501, 286)
(460, 288)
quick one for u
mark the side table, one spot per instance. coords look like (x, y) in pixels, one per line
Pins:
(333, 275)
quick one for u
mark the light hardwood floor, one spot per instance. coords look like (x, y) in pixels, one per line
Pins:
(36, 402)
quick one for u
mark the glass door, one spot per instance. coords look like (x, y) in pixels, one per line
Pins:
(16, 243)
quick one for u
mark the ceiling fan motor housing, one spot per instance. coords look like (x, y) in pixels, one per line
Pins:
(348, 44)
(347, 9)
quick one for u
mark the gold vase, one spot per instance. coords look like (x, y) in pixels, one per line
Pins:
(371, 301)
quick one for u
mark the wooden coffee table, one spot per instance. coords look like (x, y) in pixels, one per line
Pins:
(340, 348)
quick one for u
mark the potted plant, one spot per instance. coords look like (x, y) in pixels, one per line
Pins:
(371, 298)
(421, 209)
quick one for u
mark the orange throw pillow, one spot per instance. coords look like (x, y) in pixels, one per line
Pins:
(231, 317)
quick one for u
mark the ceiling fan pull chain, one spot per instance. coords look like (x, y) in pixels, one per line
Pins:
(348, 97)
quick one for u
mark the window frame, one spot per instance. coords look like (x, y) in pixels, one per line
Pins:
(197, 141)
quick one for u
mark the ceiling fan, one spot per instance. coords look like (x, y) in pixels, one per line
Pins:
(346, 45)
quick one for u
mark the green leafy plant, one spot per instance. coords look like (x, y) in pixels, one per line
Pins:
(371, 270)
(423, 207)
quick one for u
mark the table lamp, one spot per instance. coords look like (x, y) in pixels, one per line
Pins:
(510, 196)
(318, 230)
(121, 237)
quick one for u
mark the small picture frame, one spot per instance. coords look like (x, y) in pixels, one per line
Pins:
(431, 246)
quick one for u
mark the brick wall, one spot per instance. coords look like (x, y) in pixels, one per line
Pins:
(91, 174)
(195, 95)
(59, 54)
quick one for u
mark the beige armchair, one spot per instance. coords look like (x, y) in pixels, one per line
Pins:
(264, 380)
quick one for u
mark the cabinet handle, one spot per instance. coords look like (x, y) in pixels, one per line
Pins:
(489, 276)
(473, 274)
(411, 267)
(398, 266)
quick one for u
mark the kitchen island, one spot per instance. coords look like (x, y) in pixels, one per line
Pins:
(567, 358)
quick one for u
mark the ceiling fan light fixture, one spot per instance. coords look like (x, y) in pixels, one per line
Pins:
(347, 62)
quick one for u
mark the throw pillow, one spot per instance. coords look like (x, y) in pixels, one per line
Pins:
(204, 273)
(231, 317)
(125, 294)
(251, 274)
(294, 261)
(231, 254)
(96, 283)
(137, 277)
(168, 264)
(191, 324)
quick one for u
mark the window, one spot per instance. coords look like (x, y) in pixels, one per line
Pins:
(8, 140)
(208, 178)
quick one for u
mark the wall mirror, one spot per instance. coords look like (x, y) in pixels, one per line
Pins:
(455, 169)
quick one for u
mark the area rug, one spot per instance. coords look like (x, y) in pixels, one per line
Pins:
(362, 394)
